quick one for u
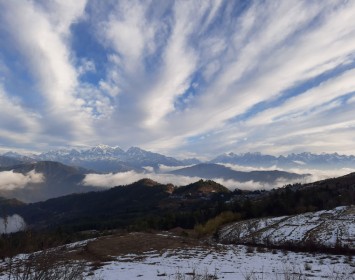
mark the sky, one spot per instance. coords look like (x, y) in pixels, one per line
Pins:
(183, 78)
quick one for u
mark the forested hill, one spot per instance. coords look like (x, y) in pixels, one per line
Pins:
(147, 204)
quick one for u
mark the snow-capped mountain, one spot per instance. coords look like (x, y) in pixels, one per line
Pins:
(137, 156)
(19, 157)
(302, 160)
(99, 152)
(105, 158)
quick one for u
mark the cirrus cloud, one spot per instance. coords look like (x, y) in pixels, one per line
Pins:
(179, 77)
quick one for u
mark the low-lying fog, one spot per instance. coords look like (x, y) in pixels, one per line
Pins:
(12, 223)
(124, 178)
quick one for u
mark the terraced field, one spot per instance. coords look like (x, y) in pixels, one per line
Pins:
(328, 228)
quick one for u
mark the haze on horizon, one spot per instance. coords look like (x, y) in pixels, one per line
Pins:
(178, 77)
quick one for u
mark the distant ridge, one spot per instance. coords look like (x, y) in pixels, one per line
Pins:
(58, 180)
(301, 160)
(213, 171)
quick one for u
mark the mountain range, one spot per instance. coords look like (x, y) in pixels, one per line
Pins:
(9, 161)
(301, 160)
(63, 170)
(103, 158)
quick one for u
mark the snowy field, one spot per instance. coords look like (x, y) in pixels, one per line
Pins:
(228, 262)
(166, 256)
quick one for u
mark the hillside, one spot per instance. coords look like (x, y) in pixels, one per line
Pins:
(6, 161)
(201, 187)
(323, 229)
(148, 204)
(10, 202)
(143, 204)
(165, 256)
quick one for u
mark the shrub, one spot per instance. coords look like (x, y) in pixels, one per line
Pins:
(212, 225)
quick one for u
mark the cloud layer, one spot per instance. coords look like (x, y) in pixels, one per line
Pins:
(125, 178)
(194, 77)
(10, 180)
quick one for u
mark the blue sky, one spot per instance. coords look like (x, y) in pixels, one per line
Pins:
(184, 78)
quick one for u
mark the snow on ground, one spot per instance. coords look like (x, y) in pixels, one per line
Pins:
(234, 262)
(227, 262)
(328, 228)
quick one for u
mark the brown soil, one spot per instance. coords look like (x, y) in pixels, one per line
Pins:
(106, 248)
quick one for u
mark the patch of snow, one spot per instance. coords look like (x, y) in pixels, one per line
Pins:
(228, 262)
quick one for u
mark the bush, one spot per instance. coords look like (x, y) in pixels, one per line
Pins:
(47, 265)
(212, 225)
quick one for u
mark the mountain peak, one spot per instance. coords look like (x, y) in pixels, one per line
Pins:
(202, 186)
(147, 182)
(132, 150)
(103, 146)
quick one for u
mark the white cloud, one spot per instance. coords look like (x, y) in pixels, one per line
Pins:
(41, 34)
(10, 180)
(308, 100)
(164, 168)
(86, 66)
(315, 174)
(124, 178)
(16, 123)
(11, 224)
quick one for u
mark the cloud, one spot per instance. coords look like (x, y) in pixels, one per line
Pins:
(164, 168)
(41, 32)
(11, 224)
(180, 77)
(10, 180)
(16, 123)
(315, 174)
(124, 178)
(297, 49)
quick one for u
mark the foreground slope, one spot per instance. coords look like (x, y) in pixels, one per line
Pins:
(165, 256)
(323, 229)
